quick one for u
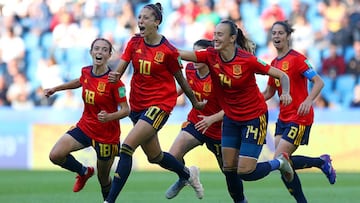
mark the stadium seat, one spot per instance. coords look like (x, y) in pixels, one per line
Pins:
(344, 87)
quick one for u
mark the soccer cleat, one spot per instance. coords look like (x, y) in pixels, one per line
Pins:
(81, 180)
(285, 167)
(328, 169)
(175, 188)
(194, 181)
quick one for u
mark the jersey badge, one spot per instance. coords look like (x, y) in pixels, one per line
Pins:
(159, 57)
(237, 71)
(285, 66)
(138, 51)
(122, 92)
(101, 87)
(216, 66)
(207, 87)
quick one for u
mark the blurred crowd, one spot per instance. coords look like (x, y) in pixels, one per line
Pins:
(44, 43)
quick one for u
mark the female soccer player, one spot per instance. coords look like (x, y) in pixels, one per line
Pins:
(232, 69)
(153, 96)
(99, 125)
(295, 120)
(202, 126)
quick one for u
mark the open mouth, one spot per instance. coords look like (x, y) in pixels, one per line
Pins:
(98, 58)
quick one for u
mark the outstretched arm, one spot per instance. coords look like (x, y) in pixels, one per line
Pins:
(188, 55)
(69, 85)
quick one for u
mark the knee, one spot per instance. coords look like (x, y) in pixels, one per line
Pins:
(56, 158)
(246, 169)
(156, 159)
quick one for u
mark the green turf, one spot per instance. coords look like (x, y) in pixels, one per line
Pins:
(148, 187)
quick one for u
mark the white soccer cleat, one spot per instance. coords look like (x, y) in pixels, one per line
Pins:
(194, 181)
(175, 188)
(285, 167)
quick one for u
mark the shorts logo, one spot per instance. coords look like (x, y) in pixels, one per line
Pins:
(159, 57)
(101, 87)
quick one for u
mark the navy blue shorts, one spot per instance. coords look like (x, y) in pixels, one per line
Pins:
(153, 115)
(213, 145)
(293, 133)
(104, 152)
(247, 136)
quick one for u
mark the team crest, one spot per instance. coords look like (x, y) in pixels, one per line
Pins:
(101, 87)
(207, 87)
(159, 57)
(237, 70)
(138, 51)
(285, 66)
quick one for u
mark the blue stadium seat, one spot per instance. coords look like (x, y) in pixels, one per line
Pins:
(327, 90)
(344, 87)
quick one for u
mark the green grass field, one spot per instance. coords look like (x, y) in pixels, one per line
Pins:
(150, 187)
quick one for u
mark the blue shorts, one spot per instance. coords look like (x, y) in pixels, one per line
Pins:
(293, 133)
(213, 145)
(153, 115)
(247, 136)
(104, 152)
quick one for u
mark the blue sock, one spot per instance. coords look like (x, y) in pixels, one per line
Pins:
(262, 169)
(275, 164)
(295, 189)
(73, 165)
(234, 185)
(301, 162)
(122, 172)
(169, 162)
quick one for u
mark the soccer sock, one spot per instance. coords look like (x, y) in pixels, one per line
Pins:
(234, 185)
(169, 162)
(122, 172)
(301, 162)
(262, 169)
(73, 165)
(294, 187)
(105, 190)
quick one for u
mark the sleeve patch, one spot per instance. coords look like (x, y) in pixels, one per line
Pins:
(122, 92)
(261, 61)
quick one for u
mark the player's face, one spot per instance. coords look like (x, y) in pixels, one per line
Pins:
(100, 52)
(146, 22)
(279, 37)
(222, 37)
(199, 65)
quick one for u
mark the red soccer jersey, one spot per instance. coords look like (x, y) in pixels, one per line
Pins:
(99, 94)
(294, 64)
(235, 83)
(203, 89)
(153, 82)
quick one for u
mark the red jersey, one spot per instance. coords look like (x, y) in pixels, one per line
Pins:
(294, 64)
(153, 82)
(235, 83)
(203, 89)
(99, 94)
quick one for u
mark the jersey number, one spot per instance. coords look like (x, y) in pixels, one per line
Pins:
(252, 130)
(89, 97)
(105, 150)
(292, 132)
(145, 67)
(224, 80)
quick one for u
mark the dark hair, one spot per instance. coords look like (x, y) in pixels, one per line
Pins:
(286, 25)
(204, 43)
(242, 41)
(157, 8)
(103, 39)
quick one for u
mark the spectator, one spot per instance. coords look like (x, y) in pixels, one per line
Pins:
(356, 100)
(270, 15)
(333, 65)
(3, 91)
(19, 93)
(68, 100)
(12, 46)
(354, 63)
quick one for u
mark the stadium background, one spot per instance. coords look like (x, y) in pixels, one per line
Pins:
(38, 46)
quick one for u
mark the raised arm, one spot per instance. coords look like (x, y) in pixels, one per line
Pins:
(116, 75)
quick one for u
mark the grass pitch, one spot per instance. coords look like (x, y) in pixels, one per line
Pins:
(150, 187)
